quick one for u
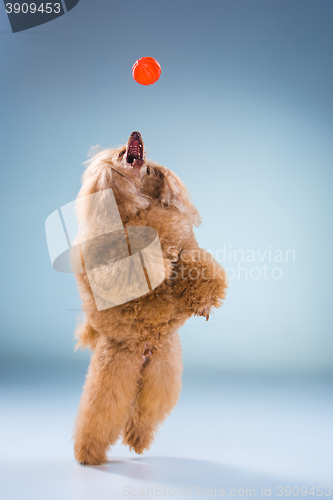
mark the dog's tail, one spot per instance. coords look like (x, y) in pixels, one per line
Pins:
(86, 336)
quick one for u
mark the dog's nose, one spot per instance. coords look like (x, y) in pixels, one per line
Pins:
(136, 134)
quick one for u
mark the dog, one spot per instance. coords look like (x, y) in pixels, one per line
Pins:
(135, 375)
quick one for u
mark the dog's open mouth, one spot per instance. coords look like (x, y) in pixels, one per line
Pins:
(134, 150)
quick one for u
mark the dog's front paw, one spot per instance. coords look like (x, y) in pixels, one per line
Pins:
(204, 311)
(92, 454)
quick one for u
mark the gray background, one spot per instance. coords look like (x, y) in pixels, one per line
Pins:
(242, 113)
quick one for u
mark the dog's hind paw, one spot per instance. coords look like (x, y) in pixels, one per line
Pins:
(138, 439)
(90, 455)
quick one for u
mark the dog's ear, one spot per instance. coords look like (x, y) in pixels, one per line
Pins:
(175, 193)
(102, 173)
(96, 176)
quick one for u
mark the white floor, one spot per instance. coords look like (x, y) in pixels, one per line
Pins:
(226, 436)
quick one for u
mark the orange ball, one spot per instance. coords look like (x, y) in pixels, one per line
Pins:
(146, 71)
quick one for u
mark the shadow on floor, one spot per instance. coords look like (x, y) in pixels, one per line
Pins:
(193, 474)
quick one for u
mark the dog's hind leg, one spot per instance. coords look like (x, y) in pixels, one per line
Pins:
(111, 385)
(159, 392)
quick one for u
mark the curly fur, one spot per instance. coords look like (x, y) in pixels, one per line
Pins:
(134, 379)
